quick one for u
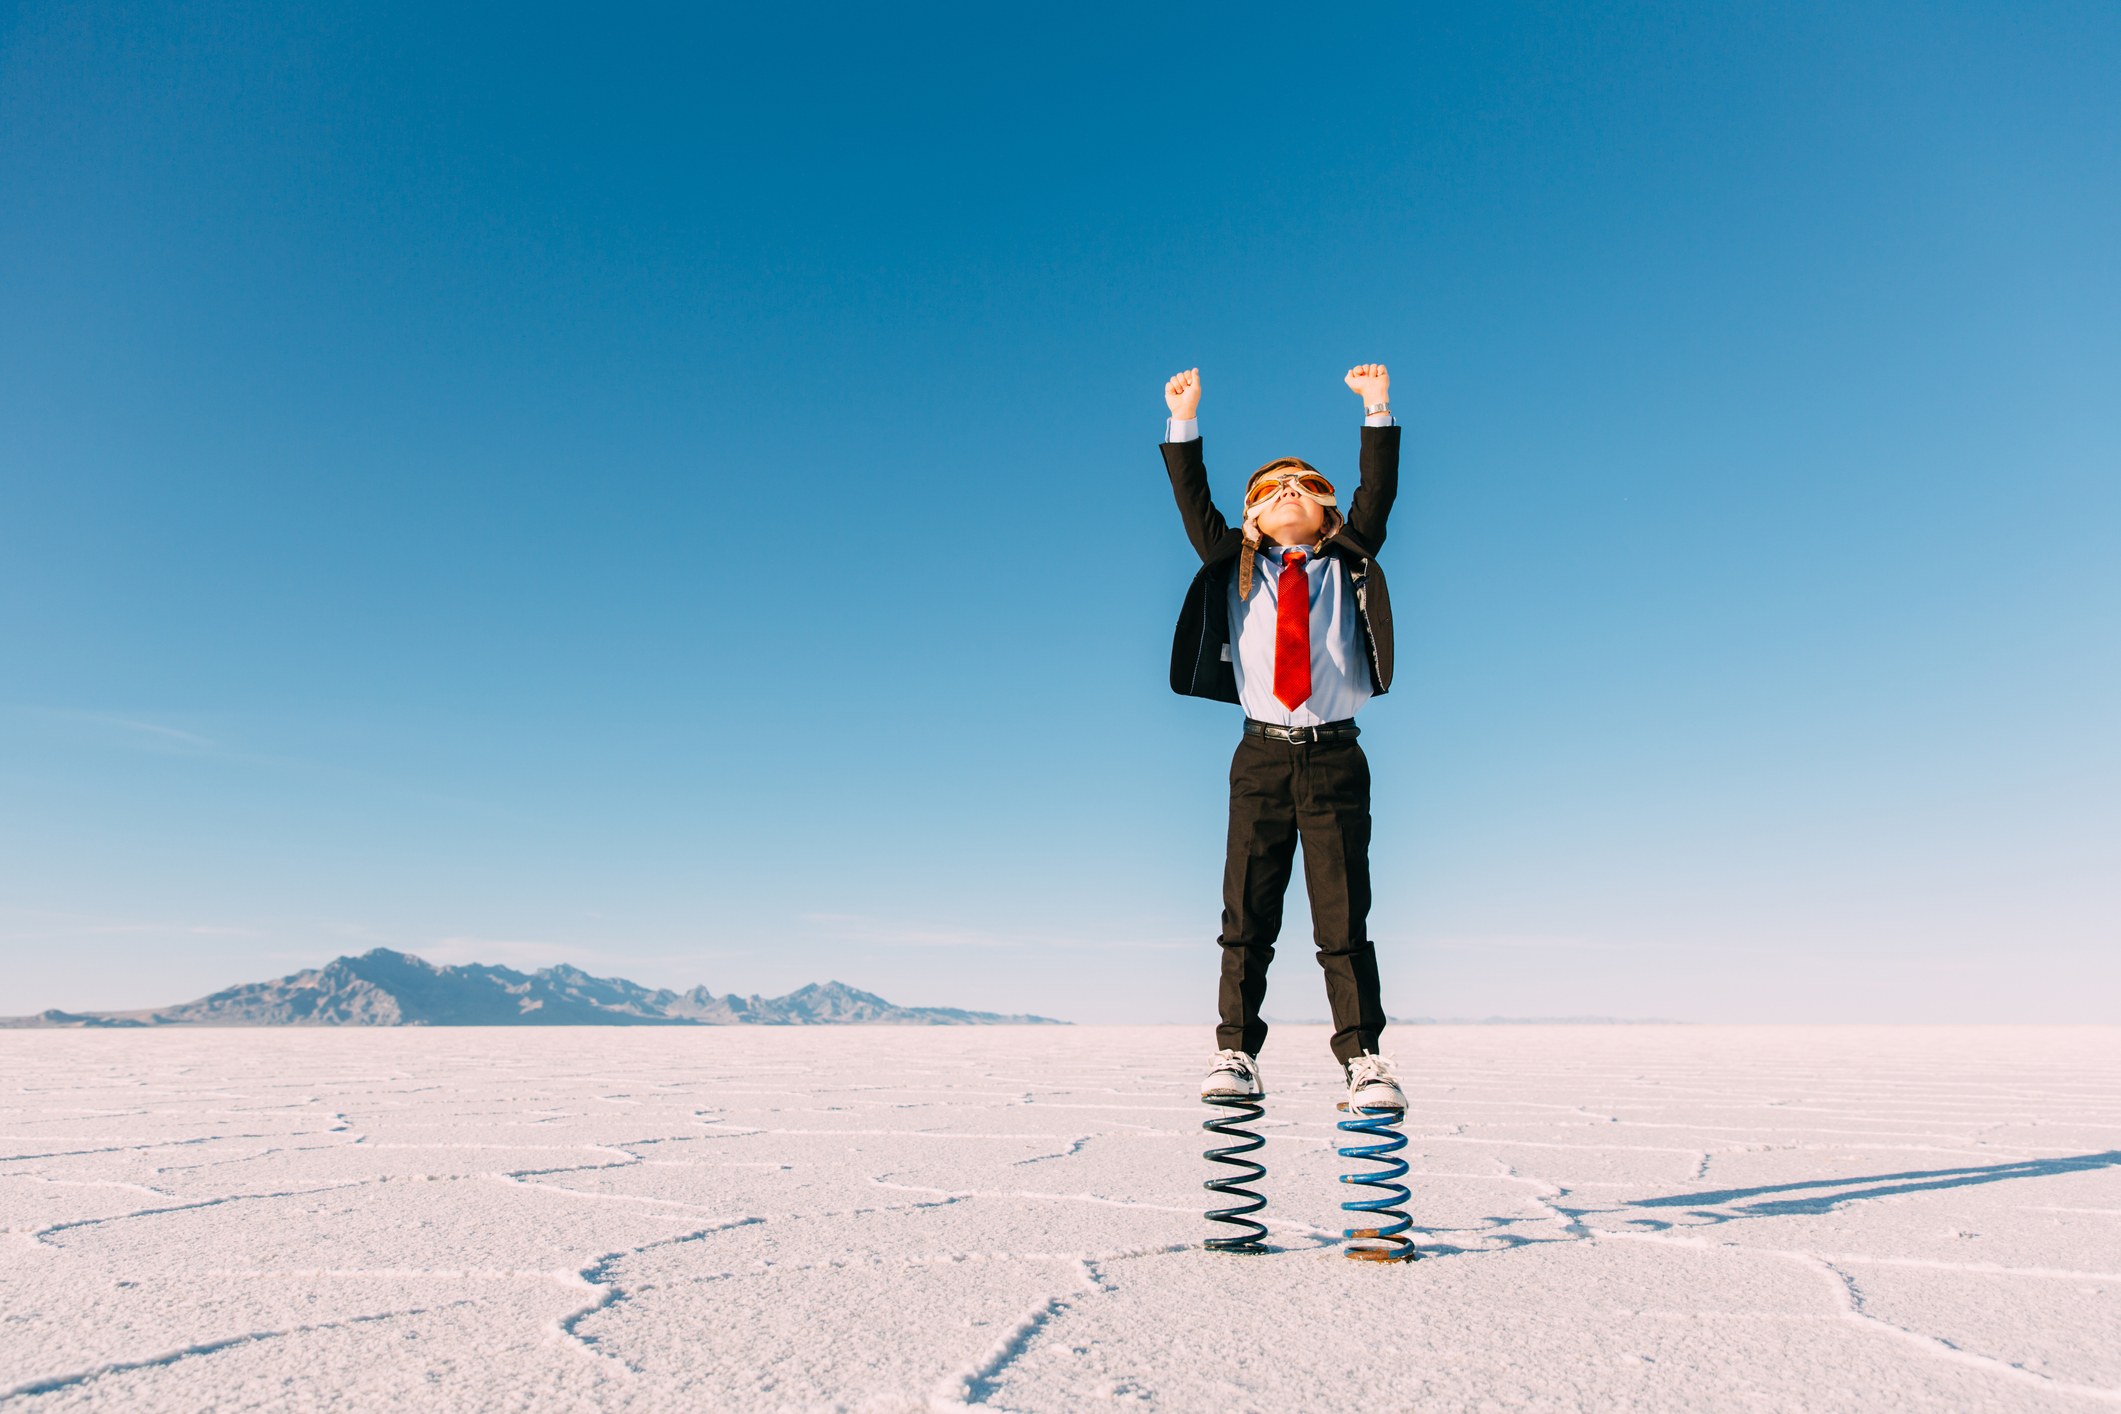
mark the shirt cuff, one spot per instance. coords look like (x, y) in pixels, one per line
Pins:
(1376, 419)
(1181, 429)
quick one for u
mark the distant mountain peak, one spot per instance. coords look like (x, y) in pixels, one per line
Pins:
(383, 987)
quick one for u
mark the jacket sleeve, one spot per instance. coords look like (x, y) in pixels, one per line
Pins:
(1211, 535)
(1372, 504)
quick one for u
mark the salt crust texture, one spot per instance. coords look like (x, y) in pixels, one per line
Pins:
(1640, 1218)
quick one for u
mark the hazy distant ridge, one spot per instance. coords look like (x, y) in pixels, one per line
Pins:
(1496, 1021)
(1536, 1021)
(385, 988)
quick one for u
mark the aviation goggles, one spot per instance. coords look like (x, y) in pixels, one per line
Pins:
(1308, 483)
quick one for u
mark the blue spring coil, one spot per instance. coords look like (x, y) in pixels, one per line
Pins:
(1231, 1186)
(1384, 1125)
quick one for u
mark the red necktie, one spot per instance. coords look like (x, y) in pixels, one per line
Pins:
(1292, 634)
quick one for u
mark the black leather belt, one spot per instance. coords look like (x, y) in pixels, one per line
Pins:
(1342, 730)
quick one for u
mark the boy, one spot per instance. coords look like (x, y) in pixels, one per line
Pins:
(1288, 617)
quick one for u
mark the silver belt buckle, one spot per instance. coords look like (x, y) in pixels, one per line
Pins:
(1303, 736)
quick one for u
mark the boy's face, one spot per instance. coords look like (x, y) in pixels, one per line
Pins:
(1291, 518)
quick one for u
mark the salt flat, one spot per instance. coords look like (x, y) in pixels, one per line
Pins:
(1652, 1218)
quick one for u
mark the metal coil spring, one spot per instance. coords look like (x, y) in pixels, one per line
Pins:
(1248, 1109)
(1384, 1125)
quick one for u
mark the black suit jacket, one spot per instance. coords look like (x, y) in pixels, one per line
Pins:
(1200, 649)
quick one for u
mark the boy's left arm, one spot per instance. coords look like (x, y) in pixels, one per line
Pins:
(1371, 505)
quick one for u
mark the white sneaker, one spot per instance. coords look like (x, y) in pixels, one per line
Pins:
(1372, 1085)
(1235, 1073)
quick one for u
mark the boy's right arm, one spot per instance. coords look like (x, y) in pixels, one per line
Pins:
(1205, 525)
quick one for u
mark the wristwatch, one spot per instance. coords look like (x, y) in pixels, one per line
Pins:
(1371, 410)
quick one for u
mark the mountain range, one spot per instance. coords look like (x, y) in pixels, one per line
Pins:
(385, 988)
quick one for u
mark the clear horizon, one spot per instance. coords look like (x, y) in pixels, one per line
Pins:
(676, 493)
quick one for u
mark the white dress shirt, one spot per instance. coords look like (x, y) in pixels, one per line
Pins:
(1340, 678)
(1188, 429)
(1340, 672)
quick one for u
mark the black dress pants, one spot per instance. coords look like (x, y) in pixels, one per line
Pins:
(1280, 793)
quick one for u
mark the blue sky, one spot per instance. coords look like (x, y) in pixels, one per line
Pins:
(674, 490)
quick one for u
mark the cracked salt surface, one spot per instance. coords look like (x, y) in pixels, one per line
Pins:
(1684, 1218)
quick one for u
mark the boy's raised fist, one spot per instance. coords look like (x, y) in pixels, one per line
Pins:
(1372, 382)
(1182, 394)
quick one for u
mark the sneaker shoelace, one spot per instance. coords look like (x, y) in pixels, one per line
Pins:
(1236, 1062)
(1366, 1068)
